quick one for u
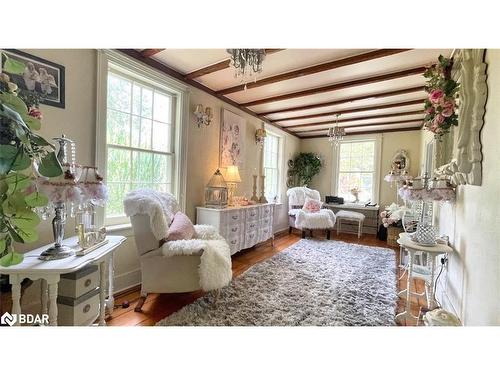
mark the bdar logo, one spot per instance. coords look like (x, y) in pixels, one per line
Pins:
(8, 319)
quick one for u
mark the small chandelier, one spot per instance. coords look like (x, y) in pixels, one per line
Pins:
(247, 63)
(336, 133)
(260, 136)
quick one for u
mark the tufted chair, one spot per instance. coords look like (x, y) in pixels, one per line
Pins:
(299, 219)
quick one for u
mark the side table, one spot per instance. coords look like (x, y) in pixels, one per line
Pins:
(50, 272)
(432, 251)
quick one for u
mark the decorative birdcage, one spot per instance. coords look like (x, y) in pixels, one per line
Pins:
(216, 192)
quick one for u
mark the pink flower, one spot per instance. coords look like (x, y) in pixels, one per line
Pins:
(447, 112)
(35, 112)
(436, 95)
(430, 110)
(438, 120)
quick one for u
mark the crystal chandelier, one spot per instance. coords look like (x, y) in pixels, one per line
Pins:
(247, 63)
(336, 133)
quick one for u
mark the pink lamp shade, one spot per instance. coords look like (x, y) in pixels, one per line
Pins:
(61, 189)
(92, 186)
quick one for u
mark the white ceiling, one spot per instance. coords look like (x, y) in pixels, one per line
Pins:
(187, 61)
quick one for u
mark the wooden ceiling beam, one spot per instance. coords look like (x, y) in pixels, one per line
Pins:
(406, 122)
(368, 132)
(354, 110)
(151, 51)
(347, 100)
(181, 77)
(339, 86)
(332, 122)
(313, 69)
(221, 66)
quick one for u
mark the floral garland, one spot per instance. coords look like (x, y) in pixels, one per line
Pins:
(440, 105)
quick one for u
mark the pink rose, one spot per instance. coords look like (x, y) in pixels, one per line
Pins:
(438, 120)
(447, 112)
(35, 112)
(430, 110)
(436, 95)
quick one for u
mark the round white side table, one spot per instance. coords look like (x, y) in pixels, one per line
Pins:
(432, 251)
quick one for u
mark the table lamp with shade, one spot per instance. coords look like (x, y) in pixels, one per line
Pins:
(232, 179)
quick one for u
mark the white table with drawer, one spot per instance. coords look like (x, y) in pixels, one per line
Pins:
(242, 226)
(64, 272)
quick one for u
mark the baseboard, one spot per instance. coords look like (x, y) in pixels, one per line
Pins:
(127, 280)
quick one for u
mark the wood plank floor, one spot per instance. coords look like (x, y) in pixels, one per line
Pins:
(159, 306)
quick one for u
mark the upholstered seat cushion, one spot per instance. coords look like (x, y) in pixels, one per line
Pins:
(350, 215)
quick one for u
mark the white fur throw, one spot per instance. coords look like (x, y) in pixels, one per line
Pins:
(324, 219)
(297, 195)
(215, 263)
(161, 208)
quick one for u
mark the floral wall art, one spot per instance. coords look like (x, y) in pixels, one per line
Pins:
(231, 139)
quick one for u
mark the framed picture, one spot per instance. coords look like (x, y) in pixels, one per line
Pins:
(231, 139)
(41, 76)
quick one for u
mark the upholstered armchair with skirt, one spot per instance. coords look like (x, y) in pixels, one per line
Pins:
(194, 257)
(304, 219)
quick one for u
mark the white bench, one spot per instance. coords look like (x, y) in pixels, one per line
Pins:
(357, 217)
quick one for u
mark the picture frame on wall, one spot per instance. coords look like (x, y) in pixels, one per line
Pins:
(40, 76)
(232, 139)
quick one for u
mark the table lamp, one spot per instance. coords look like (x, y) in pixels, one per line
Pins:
(232, 179)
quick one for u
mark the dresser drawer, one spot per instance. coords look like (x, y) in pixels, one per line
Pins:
(266, 211)
(252, 213)
(266, 222)
(232, 230)
(232, 217)
(76, 284)
(251, 226)
(265, 233)
(78, 311)
(251, 238)
(234, 243)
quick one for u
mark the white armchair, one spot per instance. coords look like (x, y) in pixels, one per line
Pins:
(200, 263)
(304, 221)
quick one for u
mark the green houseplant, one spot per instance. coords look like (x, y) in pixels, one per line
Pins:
(305, 166)
(24, 157)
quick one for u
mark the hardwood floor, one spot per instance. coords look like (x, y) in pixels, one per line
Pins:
(159, 306)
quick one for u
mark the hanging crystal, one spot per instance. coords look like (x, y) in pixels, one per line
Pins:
(336, 133)
(247, 63)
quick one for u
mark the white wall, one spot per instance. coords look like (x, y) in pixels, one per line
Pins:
(470, 286)
(78, 121)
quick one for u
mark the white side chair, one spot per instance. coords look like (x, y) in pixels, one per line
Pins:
(350, 216)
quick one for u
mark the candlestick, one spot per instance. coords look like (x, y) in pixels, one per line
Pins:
(254, 197)
(262, 198)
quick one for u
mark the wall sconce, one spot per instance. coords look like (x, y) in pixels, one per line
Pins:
(203, 117)
(260, 135)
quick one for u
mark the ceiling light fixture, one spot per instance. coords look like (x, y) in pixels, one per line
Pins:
(247, 63)
(336, 133)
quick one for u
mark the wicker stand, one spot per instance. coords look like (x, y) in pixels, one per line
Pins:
(393, 235)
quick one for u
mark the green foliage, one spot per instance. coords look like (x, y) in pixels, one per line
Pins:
(19, 146)
(306, 166)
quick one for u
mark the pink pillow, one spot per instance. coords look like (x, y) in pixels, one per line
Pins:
(312, 205)
(181, 228)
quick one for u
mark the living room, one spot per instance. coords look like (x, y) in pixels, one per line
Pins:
(282, 187)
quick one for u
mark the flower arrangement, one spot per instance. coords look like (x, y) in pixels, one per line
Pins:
(355, 192)
(392, 215)
(440, 105)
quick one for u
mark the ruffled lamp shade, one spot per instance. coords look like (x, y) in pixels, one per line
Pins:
(92, 186)
(61, 189)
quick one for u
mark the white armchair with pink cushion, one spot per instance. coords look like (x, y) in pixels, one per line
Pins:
(175, 255)
(305, 212)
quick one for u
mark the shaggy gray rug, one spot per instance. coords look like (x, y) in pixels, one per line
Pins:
(312, 283)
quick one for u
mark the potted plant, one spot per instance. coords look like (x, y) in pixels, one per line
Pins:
(24, 157)
(305, 166)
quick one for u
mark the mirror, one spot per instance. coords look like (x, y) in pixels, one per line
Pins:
(400, 161)
(459, 153)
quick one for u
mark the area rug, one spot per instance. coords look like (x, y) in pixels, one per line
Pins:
(311, 283)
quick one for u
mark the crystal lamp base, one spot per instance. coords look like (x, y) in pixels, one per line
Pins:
(57, 252)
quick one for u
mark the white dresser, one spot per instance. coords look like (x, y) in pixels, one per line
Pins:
(242, 227)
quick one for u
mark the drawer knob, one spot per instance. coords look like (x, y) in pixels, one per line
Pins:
(233, 242)
(87, 283)
(234, 217)
(86, 309)
(234, 229)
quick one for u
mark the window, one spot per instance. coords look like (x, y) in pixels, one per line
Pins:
(271, 166)
(139, 136)
(357, 168)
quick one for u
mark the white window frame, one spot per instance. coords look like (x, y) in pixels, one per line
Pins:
(281, 160)
(131, 67)
(377, 138)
